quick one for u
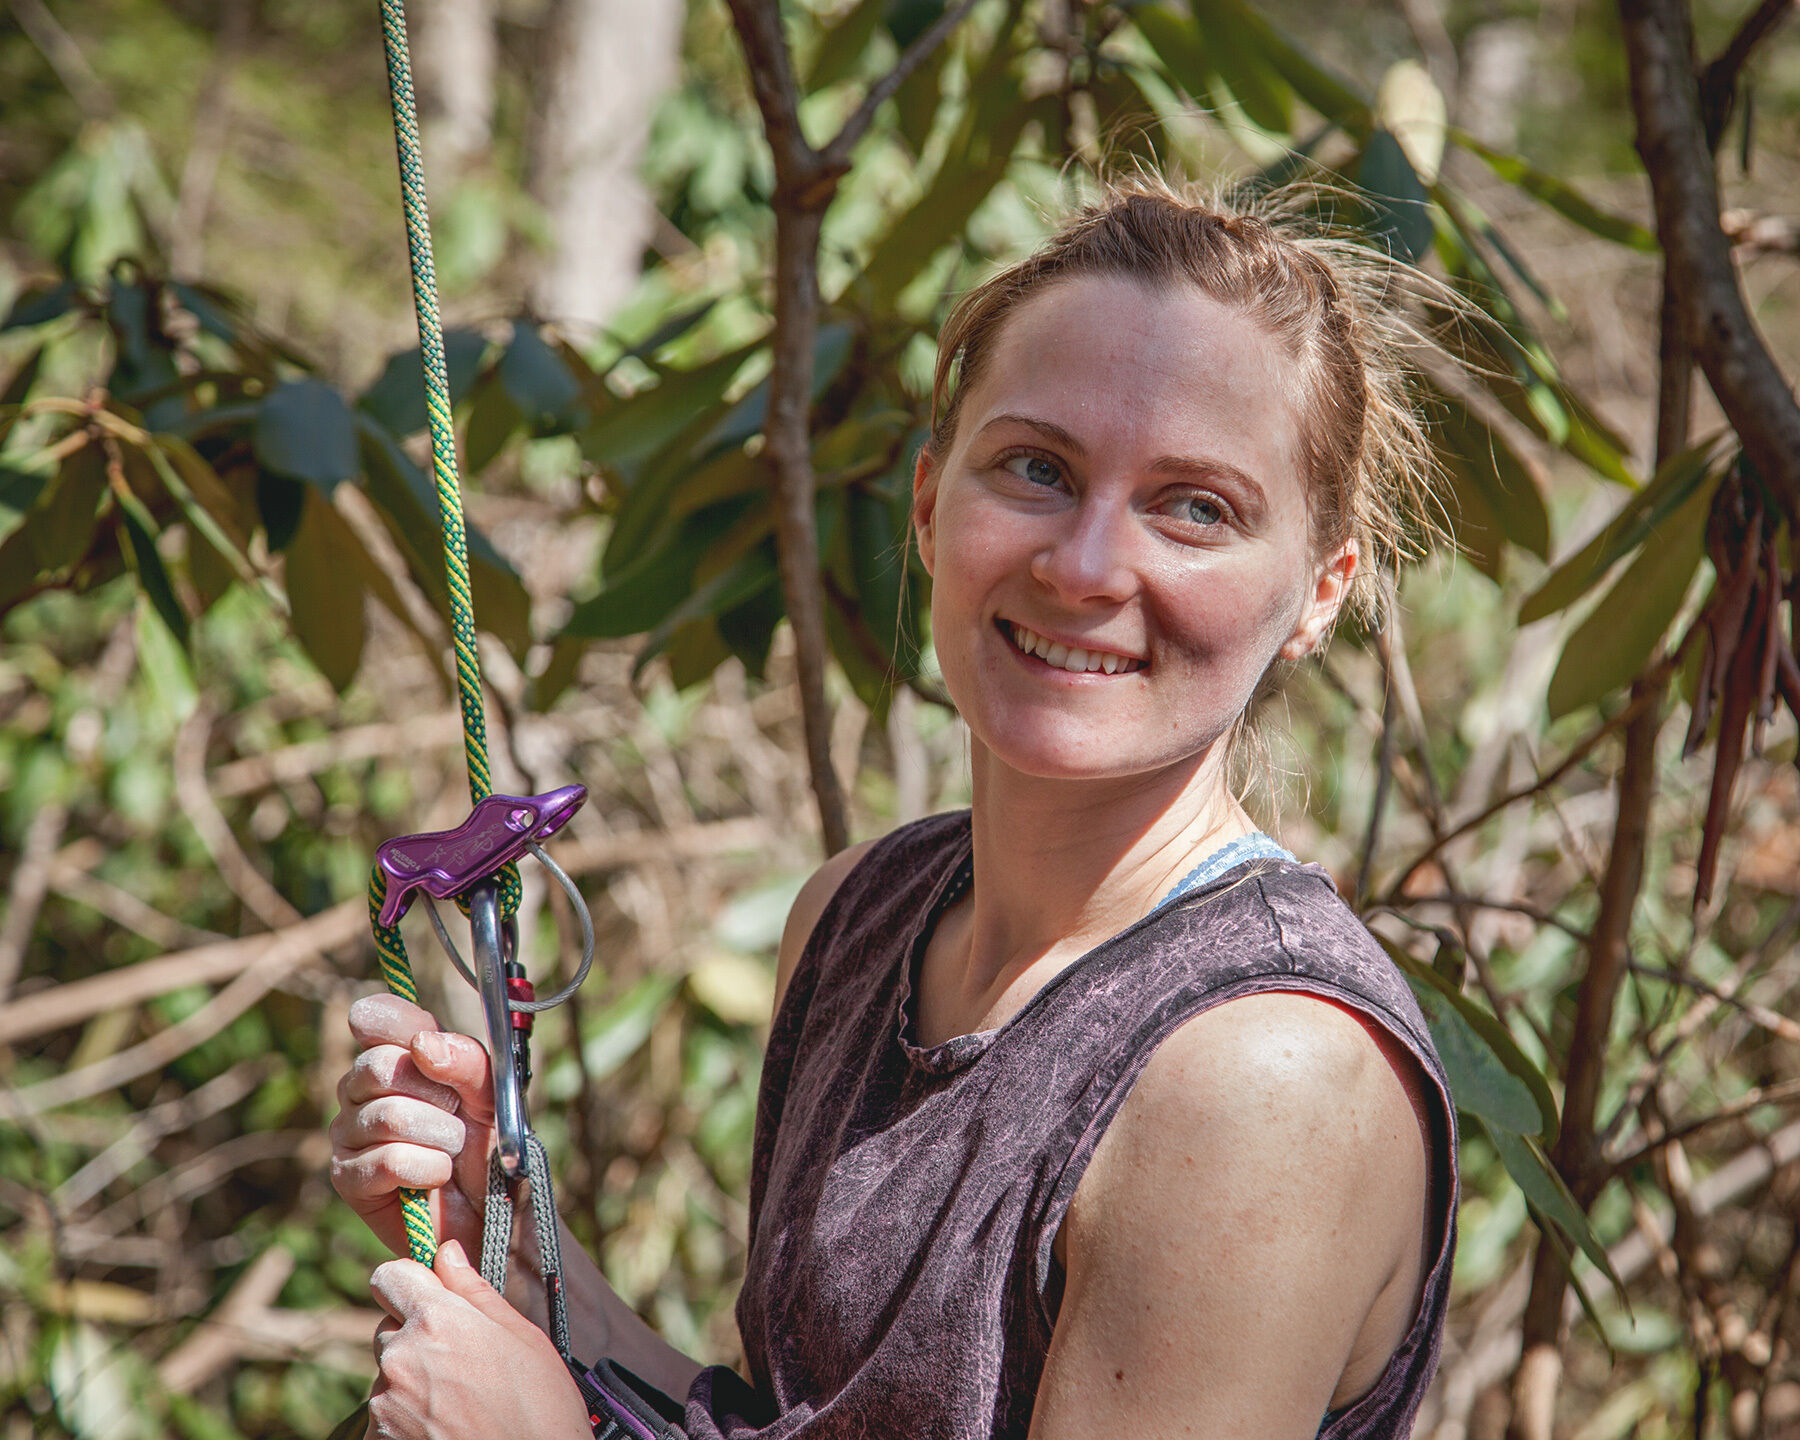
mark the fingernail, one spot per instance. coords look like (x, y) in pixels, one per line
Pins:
(430, 1047)
(452, 1254)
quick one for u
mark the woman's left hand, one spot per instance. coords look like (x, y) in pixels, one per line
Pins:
(457, 1361)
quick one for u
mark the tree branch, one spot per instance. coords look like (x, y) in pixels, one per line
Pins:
(915, 54)
(1671, 138)
(1719, 81)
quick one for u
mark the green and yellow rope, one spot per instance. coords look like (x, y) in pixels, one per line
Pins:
(395, 967)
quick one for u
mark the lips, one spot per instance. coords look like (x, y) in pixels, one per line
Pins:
(1075, 659)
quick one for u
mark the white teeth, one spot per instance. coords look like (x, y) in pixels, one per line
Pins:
(1065, 657)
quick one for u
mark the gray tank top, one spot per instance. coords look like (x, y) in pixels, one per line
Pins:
(905, 1198)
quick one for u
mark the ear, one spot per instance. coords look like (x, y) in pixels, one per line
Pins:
(924, 508)
(1330, 589)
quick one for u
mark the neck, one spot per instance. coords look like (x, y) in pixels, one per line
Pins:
(1060, 865)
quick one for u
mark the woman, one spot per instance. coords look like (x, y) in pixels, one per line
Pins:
(1090, 1111)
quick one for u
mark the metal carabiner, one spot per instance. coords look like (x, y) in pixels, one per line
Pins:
(489, 939)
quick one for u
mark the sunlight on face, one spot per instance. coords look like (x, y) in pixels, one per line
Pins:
(1118, 535)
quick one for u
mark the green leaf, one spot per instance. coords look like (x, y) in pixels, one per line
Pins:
(493, 420)
(538, 381)
(637, 597)
(40, 305)
(280, 501)
(625, 435)
(164, 662)
(141, 555)
(1669, 489)
(407, 501)
(1399, 202)
(1613, 643)
(907, 20)
(695, 651)
(1562, 197)
(397, 398)
(1549, 1196)
(1509, 491)
(61, 525)
(1317, 84)
(1185, 57)
(878, 563)
(917, 101)
(1490, 1077)
(304, 430)
(19, 386)
(744, 578)
(326, 602)
(209, 572)
(749, 628)
(1244, 65)
(842, 44)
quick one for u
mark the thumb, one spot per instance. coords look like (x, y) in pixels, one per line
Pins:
(463, 1279)
(461, 1062)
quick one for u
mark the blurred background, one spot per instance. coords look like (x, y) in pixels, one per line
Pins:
(1560, 784)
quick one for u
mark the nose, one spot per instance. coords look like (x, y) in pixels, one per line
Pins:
(1087, 555)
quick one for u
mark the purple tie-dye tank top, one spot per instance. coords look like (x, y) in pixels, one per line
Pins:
(905, 1198)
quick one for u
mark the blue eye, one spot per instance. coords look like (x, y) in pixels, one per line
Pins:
(1035, 469)
(1201, 510)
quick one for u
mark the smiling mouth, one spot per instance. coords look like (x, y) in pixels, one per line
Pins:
(1066, 657)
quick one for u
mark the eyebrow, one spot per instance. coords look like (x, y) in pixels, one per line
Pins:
(1180, 466)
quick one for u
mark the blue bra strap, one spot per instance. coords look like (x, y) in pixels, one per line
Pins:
(1254, 846)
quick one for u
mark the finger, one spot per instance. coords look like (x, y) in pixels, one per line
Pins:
(384, 1334)
(365, 1177)
(387, 1020)
(399, 1118)
(403, 1287)
(462, 1278)
(461, 1062)
(391, 1070)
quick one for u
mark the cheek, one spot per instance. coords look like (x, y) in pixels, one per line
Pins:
(1237, 616)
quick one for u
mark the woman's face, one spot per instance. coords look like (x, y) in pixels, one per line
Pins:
(1118, 534)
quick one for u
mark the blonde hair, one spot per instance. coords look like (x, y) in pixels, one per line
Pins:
(1337, 306)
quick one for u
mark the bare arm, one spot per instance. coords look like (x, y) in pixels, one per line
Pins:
(808, 905)
(1247, 1245)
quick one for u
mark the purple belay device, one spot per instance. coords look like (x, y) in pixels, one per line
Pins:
(447, 862)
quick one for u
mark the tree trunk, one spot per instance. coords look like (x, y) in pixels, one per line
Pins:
(454, 59)
(607, 64)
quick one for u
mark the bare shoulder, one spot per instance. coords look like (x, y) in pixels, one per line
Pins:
(1255, 1214)
(808, 905)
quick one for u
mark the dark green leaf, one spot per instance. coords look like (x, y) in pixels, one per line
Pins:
(408, 503)
(40, 305)
(1397, 198)
(1550, 1197)
(1641, 513)
(1490, 1077)
(640, 593)
(907, 20)
(208, 571)
(1562, 197)
(749, 628)
(1244, 66)
(877, 554)
(61, 525)
(918, 99)
(730, 587)
(280, 501)
(20, 489)
(559, 674)
(1333, 97)
(1509, 490)
(19, 386)
(153, 579)
(1615, 641)
(397, 398)
(537, 380)
(1184, 55)
(323, 594)
(215, 314)
(493, 420)
(305, 431)
(842, 44)
(696, 650)
(627, 434)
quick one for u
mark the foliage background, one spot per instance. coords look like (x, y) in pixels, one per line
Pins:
(174, 1262)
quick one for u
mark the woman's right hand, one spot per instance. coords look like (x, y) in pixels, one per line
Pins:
(416, 1112)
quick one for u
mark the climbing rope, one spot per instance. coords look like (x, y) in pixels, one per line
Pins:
(395, 967)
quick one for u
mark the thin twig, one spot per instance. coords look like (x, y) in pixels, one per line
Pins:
(1719, 81)
(915, 55)
(1753, 1099)
(248, 883)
